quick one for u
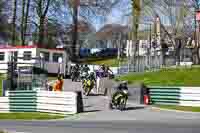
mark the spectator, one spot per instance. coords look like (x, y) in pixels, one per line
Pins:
(59, 84)
(108, 71)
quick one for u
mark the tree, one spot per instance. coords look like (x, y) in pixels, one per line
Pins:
(179, 12)
(24, 19)
(90, 6)
(14, 22)
(42, 10)
(176, 11)
(196, 49)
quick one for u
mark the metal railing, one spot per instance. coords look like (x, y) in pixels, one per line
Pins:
(155, 61)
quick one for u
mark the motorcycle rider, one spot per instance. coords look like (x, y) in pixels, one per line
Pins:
(86, 69)
(119, 90)
(75, 71)
(108, 71)
(76, 67)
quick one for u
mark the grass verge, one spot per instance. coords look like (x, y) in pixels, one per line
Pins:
(1, 78)
(166, 77)
(112, 62)
(0, 87)
(29, 116)
(180, 108)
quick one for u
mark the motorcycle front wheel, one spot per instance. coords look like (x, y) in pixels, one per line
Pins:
(122, 105)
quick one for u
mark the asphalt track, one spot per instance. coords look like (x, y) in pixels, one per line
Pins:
(97, 118)
(101, 127)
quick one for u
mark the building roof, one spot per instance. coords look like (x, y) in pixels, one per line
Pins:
(108, 31)
(2, 46)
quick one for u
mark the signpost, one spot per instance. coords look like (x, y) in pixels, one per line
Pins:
(60, 60)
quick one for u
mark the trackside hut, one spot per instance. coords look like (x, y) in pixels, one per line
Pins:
(31, 56)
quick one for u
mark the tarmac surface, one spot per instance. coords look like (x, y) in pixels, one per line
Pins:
(98, 118)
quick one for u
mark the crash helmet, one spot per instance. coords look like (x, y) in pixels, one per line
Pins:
(124, 83)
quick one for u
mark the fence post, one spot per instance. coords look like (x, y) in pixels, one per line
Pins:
(4, 86)
(79, 100)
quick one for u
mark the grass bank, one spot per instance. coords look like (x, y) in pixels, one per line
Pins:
(112, 62)
(166, 77)
(1, 78)
(29, 116)
(179, 108)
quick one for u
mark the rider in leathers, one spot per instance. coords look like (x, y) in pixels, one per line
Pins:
(85, 69)
(119, 90)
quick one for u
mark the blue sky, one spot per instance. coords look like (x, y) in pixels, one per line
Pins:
(116, 16)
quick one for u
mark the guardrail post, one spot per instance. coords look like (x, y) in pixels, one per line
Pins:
(144, 92)
(80, 107)
(4, 87)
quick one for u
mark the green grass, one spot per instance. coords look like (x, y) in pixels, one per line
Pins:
(29, 116)
(180, 108)
(113, 62)
(1, 78)
(52, 78)
(166, 77)
(0, 86)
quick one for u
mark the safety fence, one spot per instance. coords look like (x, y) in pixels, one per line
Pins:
(4, 104)
(183, 96)
(41, 101)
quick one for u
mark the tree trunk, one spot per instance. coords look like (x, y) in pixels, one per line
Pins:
(22, 22)
(178, 59)
(26, 19)
(42, 14)
(136, 17)
(75, 34)
(41, 31)
(196, 56)
(14, 22)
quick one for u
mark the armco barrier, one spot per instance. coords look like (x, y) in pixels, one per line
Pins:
(183, 96)
(43, 101)
(4, 104)
(22, 101)
(57, 102)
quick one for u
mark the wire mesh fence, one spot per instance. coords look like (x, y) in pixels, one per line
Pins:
(156, 60)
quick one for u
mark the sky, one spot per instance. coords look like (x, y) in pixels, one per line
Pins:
(116, 16)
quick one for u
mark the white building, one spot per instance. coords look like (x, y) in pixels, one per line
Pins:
(29, 56)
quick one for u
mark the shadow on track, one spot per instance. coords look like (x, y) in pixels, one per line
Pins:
(90, 111)
(92, 94)
(133, 108)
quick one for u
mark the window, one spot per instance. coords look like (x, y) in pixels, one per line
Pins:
(27, 55)
(2, 55)
(46, 55)
(56, 56)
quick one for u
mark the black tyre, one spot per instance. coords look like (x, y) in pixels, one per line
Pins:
(85, 90)
(111, 106)
(87, 93)
(122, 105)
(105, 92)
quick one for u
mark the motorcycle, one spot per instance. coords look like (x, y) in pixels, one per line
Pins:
(119, 100)
(75, 75)
(88, 84)
(83, 75)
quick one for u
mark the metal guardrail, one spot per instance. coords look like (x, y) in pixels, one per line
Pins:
(183, 96)
(41, 101)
